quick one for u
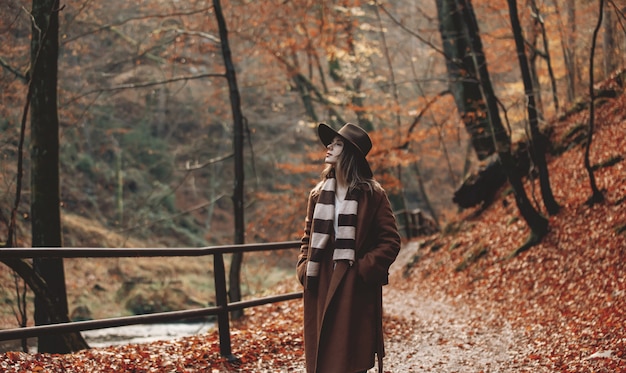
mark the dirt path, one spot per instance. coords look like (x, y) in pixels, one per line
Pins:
(443, 338)
(433, 336)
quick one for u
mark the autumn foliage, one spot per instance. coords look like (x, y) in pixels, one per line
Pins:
(567, 295)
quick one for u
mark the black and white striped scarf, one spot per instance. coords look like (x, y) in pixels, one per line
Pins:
(323, 227)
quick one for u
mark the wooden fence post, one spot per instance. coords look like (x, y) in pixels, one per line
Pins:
(221, 299)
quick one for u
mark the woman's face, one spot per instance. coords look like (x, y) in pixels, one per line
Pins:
(333, 150)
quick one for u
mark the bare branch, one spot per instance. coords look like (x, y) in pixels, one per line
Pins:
(137, 18)
(419, 116)
(145, 84)
(411, 32)
(14, 71)
(414, 124)
(204, 35)
(196, 166)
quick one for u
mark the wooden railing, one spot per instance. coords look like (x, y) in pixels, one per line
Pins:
(222, 308)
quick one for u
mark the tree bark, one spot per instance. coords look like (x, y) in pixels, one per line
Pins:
(461, 64)
(45, 190)
(538, 141)
(570, 55)
(596, 194)
(537, 223)
(73, 341)
(608, 43)
(568, 45)
(533, 56)
(305, 96)
(539, 21)
(234, 290)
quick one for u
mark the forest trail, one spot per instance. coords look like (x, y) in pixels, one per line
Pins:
(438, 335)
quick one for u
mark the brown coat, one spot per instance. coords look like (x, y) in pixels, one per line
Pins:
(343, 318)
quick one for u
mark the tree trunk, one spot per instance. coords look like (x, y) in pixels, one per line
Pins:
(608, 43)
(425, 199)
(481, 188)
(596, 194)
(534, 55)
(73, 341)
(45, 195)
(538, 140)
(537, 223)
(305, 96)
(461, 64)
(234, 290)
(568, 45)
(572, 36)
(546, 55)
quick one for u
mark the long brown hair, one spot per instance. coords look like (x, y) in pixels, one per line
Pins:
(351, 170)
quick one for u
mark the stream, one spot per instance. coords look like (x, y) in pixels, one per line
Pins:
(144, 333)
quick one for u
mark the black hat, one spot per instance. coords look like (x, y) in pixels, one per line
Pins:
(354, 135)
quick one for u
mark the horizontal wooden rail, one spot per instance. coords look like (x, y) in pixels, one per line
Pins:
(221, 310)
(97, 252)
(76, 326)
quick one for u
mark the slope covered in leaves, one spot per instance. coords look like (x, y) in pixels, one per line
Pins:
(567, 295)
(569, 292)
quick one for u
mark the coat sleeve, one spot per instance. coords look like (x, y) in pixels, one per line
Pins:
(383, 244)
(303, 256)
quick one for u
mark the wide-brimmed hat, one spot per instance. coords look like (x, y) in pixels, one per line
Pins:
(354, 135)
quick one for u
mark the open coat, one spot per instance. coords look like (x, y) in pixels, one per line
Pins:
(343, 317)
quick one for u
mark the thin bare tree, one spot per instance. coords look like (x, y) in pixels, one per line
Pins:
(596, 194)
(234, 290)
(537, 139)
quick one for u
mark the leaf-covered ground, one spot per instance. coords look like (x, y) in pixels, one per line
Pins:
(567, 294)
(558, 307)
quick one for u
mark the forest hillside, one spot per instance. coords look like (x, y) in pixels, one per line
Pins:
(564, 299)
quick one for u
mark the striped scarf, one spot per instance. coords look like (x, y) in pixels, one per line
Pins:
(323, 227)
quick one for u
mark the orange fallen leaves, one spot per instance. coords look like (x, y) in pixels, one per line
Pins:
(567, 294)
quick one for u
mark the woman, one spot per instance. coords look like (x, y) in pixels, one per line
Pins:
(350, 240)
